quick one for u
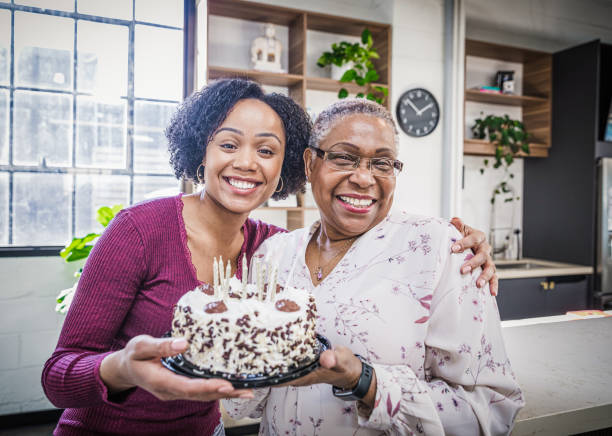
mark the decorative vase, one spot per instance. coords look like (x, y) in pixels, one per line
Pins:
(337, 72)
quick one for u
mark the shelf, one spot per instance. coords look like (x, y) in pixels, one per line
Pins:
(503, 99)
(481, 147)
(263, 77)
(252, 11)
(325, 84)
(344, 25)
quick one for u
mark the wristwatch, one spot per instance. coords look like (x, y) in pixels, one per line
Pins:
(361, 388)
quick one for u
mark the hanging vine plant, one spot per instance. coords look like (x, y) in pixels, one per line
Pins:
(510, 138)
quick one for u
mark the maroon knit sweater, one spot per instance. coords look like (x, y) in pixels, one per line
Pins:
(135, 274)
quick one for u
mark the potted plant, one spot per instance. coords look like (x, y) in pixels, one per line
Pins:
(510, 138)
(355, 62)
(79, 249)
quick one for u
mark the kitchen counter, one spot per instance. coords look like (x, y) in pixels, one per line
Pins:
(565, 372)
(527, 267)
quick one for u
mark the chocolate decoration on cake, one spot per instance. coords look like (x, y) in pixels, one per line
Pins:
(215, 307)
(287, 306)
(240, 329)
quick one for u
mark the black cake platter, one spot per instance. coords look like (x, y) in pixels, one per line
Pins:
(180, 365)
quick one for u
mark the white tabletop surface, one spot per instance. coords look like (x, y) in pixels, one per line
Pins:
(565, 372)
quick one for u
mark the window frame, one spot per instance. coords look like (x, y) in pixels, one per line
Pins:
(189, 38)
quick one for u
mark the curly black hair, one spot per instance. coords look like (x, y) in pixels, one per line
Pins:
(198, 117)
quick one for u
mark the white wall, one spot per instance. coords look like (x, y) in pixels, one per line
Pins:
(29, 327)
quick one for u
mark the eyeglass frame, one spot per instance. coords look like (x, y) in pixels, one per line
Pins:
(396, 164)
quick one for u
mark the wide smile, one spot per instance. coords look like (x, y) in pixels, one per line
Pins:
(356, 204)
(242, 186)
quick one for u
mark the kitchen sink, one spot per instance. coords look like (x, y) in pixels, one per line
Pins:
(521, 265)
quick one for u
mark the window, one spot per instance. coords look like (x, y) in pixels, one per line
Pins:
(84, 101)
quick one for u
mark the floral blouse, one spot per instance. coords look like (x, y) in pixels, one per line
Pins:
(434, 339)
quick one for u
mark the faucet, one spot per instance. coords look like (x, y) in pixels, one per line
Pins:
(501, 237)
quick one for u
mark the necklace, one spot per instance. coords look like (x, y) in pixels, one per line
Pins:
(342, 250)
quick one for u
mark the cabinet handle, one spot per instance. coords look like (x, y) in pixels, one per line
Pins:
(551, 285)
(544, 285)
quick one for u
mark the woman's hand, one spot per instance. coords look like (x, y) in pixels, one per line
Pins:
(138, 364)
(477, 241)
(341, 368)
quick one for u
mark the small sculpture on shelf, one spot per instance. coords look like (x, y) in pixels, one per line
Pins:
(266, 51)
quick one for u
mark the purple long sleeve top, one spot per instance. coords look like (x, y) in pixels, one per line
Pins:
(134, 275)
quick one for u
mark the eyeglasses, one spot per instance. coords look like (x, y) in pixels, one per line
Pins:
(343, 161)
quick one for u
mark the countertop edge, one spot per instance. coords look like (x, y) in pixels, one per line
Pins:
(548, 269)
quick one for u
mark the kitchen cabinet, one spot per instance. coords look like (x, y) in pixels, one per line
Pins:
(542, 296)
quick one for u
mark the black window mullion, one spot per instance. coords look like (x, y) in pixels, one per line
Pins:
(10, 126)
(130, 103)
(74, 124)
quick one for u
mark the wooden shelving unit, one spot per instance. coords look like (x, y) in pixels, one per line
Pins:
(482, 147)
(299, 23)
(536, 102)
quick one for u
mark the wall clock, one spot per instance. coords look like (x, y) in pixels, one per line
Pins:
(417, 112)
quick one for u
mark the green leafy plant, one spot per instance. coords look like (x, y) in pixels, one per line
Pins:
(509, 137)
(363, 72)
(79, 249)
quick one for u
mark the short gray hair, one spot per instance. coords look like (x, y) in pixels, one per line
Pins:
(346, 107)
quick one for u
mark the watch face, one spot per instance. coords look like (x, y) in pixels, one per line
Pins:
(417, 112)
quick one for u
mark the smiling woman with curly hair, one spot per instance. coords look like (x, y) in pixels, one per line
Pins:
(244, 147)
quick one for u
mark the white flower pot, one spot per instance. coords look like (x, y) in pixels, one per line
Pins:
(337, 72)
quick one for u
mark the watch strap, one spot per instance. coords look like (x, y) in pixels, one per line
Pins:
(361, 388)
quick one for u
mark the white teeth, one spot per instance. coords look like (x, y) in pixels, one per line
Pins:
(357, 202)
(241, 184)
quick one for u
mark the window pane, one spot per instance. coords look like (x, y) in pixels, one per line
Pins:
(36, 219)
(44, 57)
(150, 144)
(121, 9)
(158, 63)
(146, 187)
(168, 12)
(4, 208)
(101, 133)
(42, 128)
(93, 192)
(5, 46)
(58, 5)
(4, 120)
(102, 58)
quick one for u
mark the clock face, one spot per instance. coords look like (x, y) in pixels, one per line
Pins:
(417, 112)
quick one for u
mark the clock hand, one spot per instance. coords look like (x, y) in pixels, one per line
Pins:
(416, 109)
(424, 109)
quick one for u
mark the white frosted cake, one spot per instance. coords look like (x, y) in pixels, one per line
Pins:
(235, 328)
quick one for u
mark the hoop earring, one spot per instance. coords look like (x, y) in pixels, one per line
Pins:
(200, 178)
(282, 186)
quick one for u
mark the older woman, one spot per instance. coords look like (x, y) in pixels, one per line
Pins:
(431, 354)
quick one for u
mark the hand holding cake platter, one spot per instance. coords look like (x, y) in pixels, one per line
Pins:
(252, 334)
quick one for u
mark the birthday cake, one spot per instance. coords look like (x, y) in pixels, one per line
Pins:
(243, 329)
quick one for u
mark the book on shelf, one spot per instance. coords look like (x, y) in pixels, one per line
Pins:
(488, 89)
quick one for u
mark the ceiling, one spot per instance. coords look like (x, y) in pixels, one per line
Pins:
(548, 25)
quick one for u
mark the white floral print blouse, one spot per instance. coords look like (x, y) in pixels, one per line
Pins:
(398, 299)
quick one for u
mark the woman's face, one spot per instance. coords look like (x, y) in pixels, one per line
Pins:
(244, 157)
(351, 203)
